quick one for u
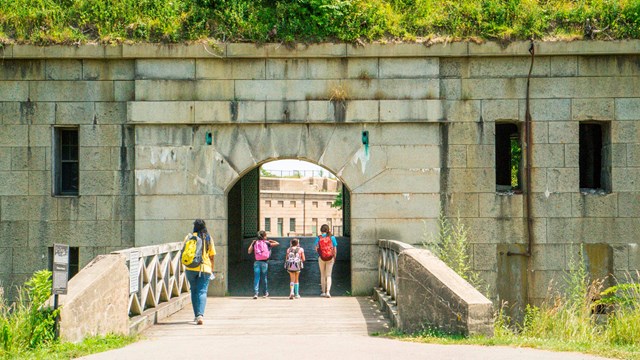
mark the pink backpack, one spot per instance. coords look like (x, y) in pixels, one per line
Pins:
(261, 250)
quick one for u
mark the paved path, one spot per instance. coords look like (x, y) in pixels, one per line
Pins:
(309, 328)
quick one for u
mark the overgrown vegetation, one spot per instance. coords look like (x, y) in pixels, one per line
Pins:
(72, 21)
(27, 326)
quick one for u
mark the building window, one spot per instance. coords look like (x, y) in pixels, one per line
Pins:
(314, 204)
(329, 203)
(267, 224)
(292, 203)
(66, 166)
(594, 159)
(280, 226)
(267, 203)
(314, 225)
(74, 260)
(292, 224)
(508, 157)
(280, 203)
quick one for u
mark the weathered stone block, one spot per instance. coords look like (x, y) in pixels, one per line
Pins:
(151, 181)
(481, 156)
(306, 68)
(161, 112)
(592, 109)
(395, 206)
(629, 205)
(548, 155)
(115, 208)
(458, 307)
(563, 132)
(563, 65)
(363, 282)
(493, 88)
(471, 180)
(363, 69)
(494, 67)
(251, 112)
(165, 90)
(12, 183)
(367, 256)
(214, 111)
(6, 257)
(124, 90)
(484, 257)
(412, 181)
(500, 206)
(609, 65)
(454, 67)
(548, 257)
(456, 156)
(29, 259)
(471, 133)
(39, 182)
(571, 155)
(214, 90)
(15, 208)
(75, 113)
(411, 110)
(547, 109)
(490, 231)
(246, 69)
(240, 50)
(13, 235)
(417, 232)
(100, 135)
(500, 110)
(63, 69)
(179, 207)
(450, 89)
(60, 90)
(540, 131)
(595, 205)
(14, 91)
(413, 157)
(627, 109)
(561, 180)
(625, 131)
(554, 205)
(462, 205)
(634, 256)
(110, 113)
(620, 257)
(95, 158)
(466, 110)
(362, 111)
(77, 208)
(394, 89)
(5, 158)
(408, 50)
(575, 87)
(626, 179)
(108, 69)
(99, 182)
(409, 68)
(174, 69)
(22, 69)
(161, 158)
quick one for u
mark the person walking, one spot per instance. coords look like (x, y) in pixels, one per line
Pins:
(293, 263)
(199, 276)
(327, 247)
(261, 247)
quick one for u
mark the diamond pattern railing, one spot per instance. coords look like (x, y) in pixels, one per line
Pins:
(388, 265)
(160, 276)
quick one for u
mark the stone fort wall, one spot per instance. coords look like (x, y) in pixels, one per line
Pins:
(144, 112)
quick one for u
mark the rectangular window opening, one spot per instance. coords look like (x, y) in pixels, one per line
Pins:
(292, 224)
(280, 226)
(508, 154)
(267, 224)
(594, 158)
(66, 161)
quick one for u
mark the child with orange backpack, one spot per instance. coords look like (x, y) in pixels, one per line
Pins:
(293, 263)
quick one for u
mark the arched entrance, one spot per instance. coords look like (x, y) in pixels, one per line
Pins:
(286, 207)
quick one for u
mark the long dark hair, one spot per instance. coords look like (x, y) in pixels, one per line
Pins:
(200, 227)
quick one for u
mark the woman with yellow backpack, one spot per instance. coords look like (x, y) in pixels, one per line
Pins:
(199, 266)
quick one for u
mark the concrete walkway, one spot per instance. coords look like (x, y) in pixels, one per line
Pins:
(309, 328)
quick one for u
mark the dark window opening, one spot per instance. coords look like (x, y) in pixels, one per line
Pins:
(267, 224)
(594, 159)
(292, 224)
(280, 226)
(67, 164)
(508, 157)
(74, 260)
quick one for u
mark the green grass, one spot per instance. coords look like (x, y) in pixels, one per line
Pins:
(65, 351)
(169, 21)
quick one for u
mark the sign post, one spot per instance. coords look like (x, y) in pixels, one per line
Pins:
(134, 271)
(60, 276)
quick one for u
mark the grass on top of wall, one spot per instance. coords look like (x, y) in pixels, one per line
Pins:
(117, 21)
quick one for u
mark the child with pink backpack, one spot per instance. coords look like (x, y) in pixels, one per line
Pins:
(261, 247)
(293, 263)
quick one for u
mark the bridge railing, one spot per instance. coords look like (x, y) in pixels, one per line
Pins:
(418, 290)
(160, 276)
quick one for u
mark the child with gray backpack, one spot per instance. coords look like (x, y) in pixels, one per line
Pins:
(293, 263)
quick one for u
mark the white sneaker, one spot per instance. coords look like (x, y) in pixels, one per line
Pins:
(323, 295)
(199, 320)
(298, 296)
(328, 295)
